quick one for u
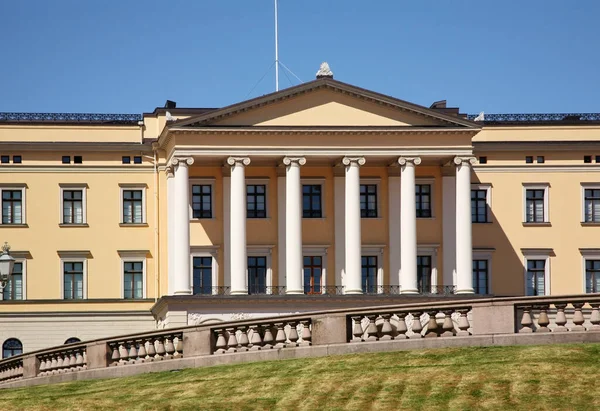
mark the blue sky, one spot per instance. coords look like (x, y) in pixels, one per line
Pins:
(130, 56)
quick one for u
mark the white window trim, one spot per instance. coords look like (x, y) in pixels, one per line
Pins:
(374, 181)
(375, 250)
(431, 182)
(142, 187)
(64, 260)
(206, 181)
(315, 181)
(317, 251)
(488, 199)
(133, 257)
(537, 186)
(537, 256)
(17, 187)
(206, 251)
(587, 254)
(431, 251)
(259, 181)
(587, 186)
(262, 251)
(73, 187)
(487, 255)
(23, 261)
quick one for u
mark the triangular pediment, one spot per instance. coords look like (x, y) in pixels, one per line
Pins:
(325, 103)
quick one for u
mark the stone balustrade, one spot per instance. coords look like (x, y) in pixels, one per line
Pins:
(63, 361)
(11, 369)
(262, 336)
(564, 315)
(143, 349)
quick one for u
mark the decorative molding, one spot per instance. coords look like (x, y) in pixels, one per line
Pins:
(462, 160)
(300, 161)
(349, 161)
(240, 316)
(405, 160)
(238, 161)
(194, 319)
(536, 117)
(75, 254)
(134, 253)
(324, 71)
(182, 161)
(91, 118)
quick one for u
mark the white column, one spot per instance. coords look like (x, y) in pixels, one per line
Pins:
(408, 225)
(449, 229)
(238, 264)
(281, 245)
(352, 226)
(226, 226)
(464, 241)
(293, 225)
(181, 225)
(394, 227)
(170, 225)
(340, 231)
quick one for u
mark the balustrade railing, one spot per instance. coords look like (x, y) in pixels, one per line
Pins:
(262, 336)
(143, 349)
(212, 291)
(582, 314)
(11, 369)
(63, 361)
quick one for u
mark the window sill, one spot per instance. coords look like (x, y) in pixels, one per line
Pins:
(426, 218)
(133, 225)
(314, 218)
(590, 224)
(488, 222)
(371, 218)
(544, 224)
(258, 218)
(14, 226)
(197, 220)
(74, 225)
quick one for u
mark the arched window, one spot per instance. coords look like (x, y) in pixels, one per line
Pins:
(11, 347)
(72, 340)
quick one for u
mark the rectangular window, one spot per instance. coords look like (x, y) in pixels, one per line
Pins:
(12, 206)
(133, 280)
(137, 160)
(256, 201)
(72, 207)
(4, 159)
(257, 275)
(73, 280)
(17, 159)
(423, 199)
(311, 201)
(536, 277)
(592, 276)
(77, 159)
(313, 268)
(482, 160)
(592, 205)
(480, 276)
(587, 159)
(479, 209)
(534, 205)
(424, 273)
(368, 200)
(369, 274)
(202, 201)
(66, 159)
(14, 288)
(202, 275)
(126, 160)
(529, 159)
(133, 207)
(540, 159)
(597, 159)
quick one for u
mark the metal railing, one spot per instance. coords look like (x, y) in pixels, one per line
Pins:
(118, 118)
(441, 290)
(535, 117)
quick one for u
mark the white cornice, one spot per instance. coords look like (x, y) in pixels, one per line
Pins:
(584, 168)
(70, 169)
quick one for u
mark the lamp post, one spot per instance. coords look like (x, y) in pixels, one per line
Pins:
(7, 264)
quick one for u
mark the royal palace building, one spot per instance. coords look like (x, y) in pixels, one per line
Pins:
(323, 195)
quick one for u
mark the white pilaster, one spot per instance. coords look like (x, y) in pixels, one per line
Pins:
(408, 225)
(464, 241)
(181, 225)
(339, 193)
(449, 229)
(281, 245)
(170, 225)
(352, 225)
(226, 228)
(238, 263)
(293, 225)
(394, 228)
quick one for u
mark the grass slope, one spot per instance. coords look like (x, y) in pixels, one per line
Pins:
(496, 378)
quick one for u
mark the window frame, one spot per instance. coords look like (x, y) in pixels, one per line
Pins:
(202, 182)
(377, 183)
(431, 183)
(487, 255)
(316, 251)
(23, 261)
(311, 195)
(375, 251)
(587, 254)
(206, 251)
(73, 259)
(262, 251)
(134, 257)
(254, 182)
(431, 250)
(587, 186)
(15, 187)
(314, 181)
(127, 187)
(537, 255)
(537, 186)
(11, 339)
(73, 187)
(488, 201)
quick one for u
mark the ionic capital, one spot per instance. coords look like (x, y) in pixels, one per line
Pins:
(186, 161)
(464, 160)
(350, 161)
(300, 161)
(169, 171)
(238, 161)
(409, 160)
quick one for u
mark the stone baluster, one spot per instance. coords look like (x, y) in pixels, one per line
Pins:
(160, 349)
(371, 328)
(59, 363)
(133, 353)
(448, 325)
(595, 317)
(268, 339)
(115, 357)
(526, 321)
(280, 336)
(150, 350)
(179, 347)
(357, 330)
(221, 344)
(243, 341)
(561, 319)
(53, 364)
(306, 334)
(232, 341)
(79, 360)
(578, 319)
(416, 325)
(42, 369)
(463, 323)
(401, 329)
(169, 348)
(72, 361)
(432, 325)
(543, 320)
(386, 328)
(123, 353)
(255, 340)
(85, 360)
(141, 351)
(293, 335)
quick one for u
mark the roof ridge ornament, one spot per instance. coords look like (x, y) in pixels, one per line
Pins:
(324, 71)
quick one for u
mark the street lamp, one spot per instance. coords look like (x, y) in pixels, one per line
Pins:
(7, 264)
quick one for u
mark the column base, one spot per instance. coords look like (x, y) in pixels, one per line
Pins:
(409, 291)
(295, 292)
(238, 292)
(354, 292)
(188, 292)
(465, 291)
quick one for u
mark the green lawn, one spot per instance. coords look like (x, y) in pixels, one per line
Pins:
(498, 378)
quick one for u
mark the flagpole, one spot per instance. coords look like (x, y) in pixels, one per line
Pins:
(276, 52)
